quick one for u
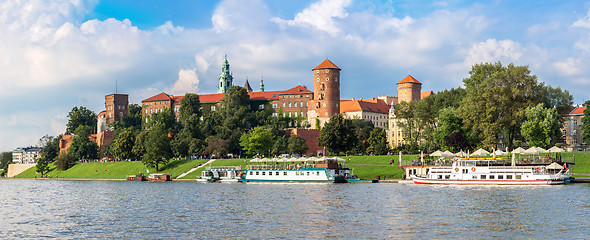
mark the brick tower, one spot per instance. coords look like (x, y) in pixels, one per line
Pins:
(408, 89)
(116, 107)
(326, 88)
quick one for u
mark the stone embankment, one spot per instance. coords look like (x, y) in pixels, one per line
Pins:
(16, 169)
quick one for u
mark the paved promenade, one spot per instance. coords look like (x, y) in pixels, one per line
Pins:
(193, 169)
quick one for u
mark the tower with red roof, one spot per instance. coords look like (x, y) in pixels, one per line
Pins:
(409, 89)
(326, 85)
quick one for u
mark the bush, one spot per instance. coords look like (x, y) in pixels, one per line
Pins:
(64, 161)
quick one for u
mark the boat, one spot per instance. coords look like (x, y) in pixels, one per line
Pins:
(137, 177)
(323, 170)
(469, 171)
(221, 174)
(159, 177)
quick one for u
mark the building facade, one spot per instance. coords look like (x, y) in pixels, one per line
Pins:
(26, 155)
(374, 111)
(572, 130)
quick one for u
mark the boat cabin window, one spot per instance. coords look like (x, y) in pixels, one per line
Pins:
(508, 176)
(307, 173)
(465, 171)
(277, 173)
(317, 173)
(251, 173)
(447, 176)
(518, 177)
(474, 177)
(285, 173)
(263, 173)
(439, 176)
(269, 173)
(500, 176)
(257, 173)
(492, 177)
(482, 176)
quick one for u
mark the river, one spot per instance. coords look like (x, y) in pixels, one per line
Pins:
(35, 209)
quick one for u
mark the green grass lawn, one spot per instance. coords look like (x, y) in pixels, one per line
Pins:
(363, 166)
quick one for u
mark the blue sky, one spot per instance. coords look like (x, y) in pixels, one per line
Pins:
(58, 54)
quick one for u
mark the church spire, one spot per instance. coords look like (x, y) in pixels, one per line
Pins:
(247, 86)
(261, 84)
(225, 77)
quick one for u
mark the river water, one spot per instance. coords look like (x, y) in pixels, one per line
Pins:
(180, 210)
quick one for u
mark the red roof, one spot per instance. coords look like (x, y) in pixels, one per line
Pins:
(369, 105)
(578, 111)
(209, 98)
(159, 97)
(409, 79)
(326, 64)
(426, 94)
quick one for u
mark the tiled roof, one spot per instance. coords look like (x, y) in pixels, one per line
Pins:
(426, 94)
(578, 111)
(369, 105)
(159, 97)
(409, 79)
(326, 64)
(255, 96)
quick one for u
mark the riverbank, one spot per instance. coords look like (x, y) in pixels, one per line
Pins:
(367, 167)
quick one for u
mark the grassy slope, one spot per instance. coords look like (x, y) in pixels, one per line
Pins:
(113, 170)
(362, 166)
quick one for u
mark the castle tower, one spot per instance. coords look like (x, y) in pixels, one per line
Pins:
(261, 84)
(326, 86)
(408, 89)
(225, 77)
(116, 107)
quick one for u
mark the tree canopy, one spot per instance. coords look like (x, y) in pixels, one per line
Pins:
(338, 135)
(541, 127)
(586, 123)
(80, 117)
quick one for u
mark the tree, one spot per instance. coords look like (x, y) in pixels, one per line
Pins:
(449, 123)
(257, 141)
(216, 146)
(157, 146)
(456, 141)
(297, 145)
(49, 147)
(338, 135)
(80, 117)
(122, 147)
(363, 130)
(5, 159)
(377, 142)
(496, 99)
(43, 165)
(541, 127)
(235, 119)
(130, 123)
(559, 99)
(64, 161)
(189, 106)
(586, 123)
(409, 123)
(83, 148)
(280, 146)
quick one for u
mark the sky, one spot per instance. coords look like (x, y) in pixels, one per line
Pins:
(57, 54)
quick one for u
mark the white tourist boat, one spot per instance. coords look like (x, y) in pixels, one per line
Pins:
(325, 170)
(221, 174)
(484, 172)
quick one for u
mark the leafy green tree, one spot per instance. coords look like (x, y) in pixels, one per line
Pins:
(122, 147)
(586, 123)
(190, 105)
(449, 123)
(165, 119)
(157, 146)
(496, 99)
(559, 99)
(410, 124)
(280, 146)
(541, 127)
(64, 161)
(257, 141)
(84, 131)
(456, 141)
(297, 145)
(363, 130)
(42, 165)
(235, 119)
(49, 147)
(216, 146)
(80, 117)
(377, 142)
(130, 123)
(338, 135)
(83, 148)
(5, 159)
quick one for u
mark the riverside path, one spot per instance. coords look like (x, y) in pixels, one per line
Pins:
(193, 169)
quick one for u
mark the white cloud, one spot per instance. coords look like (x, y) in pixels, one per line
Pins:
(583, 22)
(320, 15)
(569, 67)
(187, 82)
(492, 50)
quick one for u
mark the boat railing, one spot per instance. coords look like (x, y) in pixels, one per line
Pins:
(278, 167)
(224, 168)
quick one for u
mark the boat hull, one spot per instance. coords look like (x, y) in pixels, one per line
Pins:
(420, 180)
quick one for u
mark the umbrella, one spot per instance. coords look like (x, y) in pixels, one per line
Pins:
(437, 153)
(480, 153)
(255, 160)
(555, 149)
(540, 150)
(518, 150)
(461, 154)
(447, 154)
(499, 152)
(531, 151)
(555, 166)
(339, 159)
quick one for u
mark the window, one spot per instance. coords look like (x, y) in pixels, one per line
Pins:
(289, 114)
(212, 108)
(263, 173)
(518, 177)
(575, 141)
(257, 173)
(482, 177)
(146, 111)
(307, 173)
(327, 79)
(500, 176)
(261, 106)
(284, 173)
(465, 171)
(120, 114)
(269, 173)
(447, 176)
(508, 176)
(277, 173)
(251, 172)
(492, 177)
(284, 114)
(274, 114)
(284, 104)
(564, 132)
(295, 114)
(317, 173)
(289, 104)
(295, 104)
(301, 114)
(574, 132)
(473, 176)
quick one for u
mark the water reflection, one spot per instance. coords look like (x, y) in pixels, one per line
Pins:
(133, 210)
